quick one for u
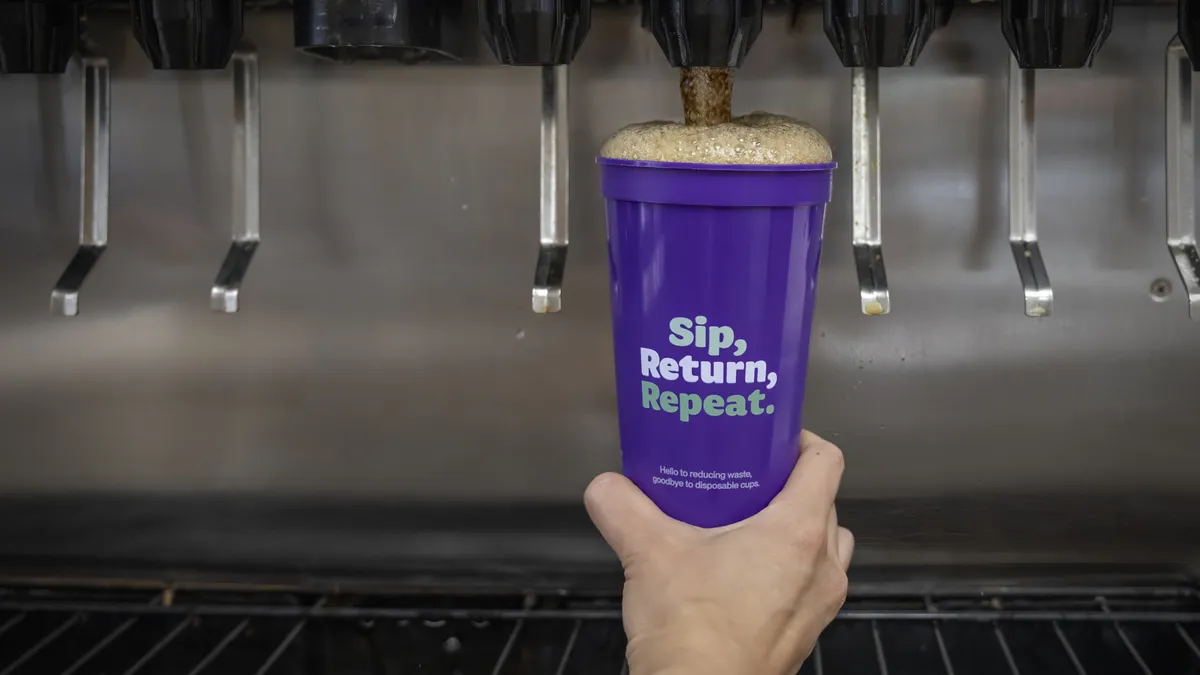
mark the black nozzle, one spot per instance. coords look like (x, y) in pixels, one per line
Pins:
(705, 33)
(942, 12)
(879, 33)
(408, 31)
(1189, 30)
(1056, 33)
(37, 37)
(188, 34)
(795, 7)
(535, 32)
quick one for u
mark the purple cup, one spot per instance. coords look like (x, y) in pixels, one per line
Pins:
(714, 275)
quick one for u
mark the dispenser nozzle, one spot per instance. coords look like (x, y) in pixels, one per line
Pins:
(408, 31)
(37, 37)
(555, 191)
(1022, 194)
(1056, 33)
(867, 231)
(187, 34)
(1189, 30)
(245, 227)
(93, 211)
(704, 33)
(545, 33)
(879, 33)
(1181, 174)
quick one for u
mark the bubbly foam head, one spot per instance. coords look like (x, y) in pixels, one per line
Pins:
(757, 138)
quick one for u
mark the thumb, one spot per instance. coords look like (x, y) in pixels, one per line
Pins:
(625, 516)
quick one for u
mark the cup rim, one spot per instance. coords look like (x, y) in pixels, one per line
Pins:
(648, 164)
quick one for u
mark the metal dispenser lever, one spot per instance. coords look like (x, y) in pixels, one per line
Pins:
(868, 234)
(555, 174)
(1181, 174)
(93, 211)
(868, 36)
(547, 35)
(1041, 34)
(1022, 194)
(245, 182)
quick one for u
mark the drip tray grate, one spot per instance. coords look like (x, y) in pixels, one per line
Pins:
(1007, 631)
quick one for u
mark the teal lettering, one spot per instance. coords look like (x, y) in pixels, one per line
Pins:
(669, 401)
(735, 406)
(756, 397)
(650, 395)
(713, 405)
(689, 405)
(719, 337)
(681, 331)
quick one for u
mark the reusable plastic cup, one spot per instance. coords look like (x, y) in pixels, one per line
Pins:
(714, 275)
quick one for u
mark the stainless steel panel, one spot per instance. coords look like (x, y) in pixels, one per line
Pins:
(387, 347)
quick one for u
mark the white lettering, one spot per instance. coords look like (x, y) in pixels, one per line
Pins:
(688, 364)
(669, 369)
(756, 371)
(649, 362)
(712, 372)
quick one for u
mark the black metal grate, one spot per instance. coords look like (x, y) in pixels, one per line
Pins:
(1006, 631)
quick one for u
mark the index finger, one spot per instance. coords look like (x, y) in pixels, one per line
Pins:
(814, 483)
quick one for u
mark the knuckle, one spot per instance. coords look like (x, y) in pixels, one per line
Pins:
(811, 537)
(828, 455)
(836, 457)
(839, 588)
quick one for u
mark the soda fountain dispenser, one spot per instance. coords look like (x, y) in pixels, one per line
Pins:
(705, 33)
(37, 37)
(207, 35)
(942, 12)
(546, 34)
(869, 35)
(40, 38)
(1041, 34)
(188, 34)
(408, 31)
(1189, 30)
(1182, 59)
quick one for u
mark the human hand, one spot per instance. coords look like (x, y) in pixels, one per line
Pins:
(747, 599)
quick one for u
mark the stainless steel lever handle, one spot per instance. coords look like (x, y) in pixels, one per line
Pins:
(867, 231)
(1022, 191)
(1181, 174)
(555, 175)
(93, 211)
(245, 195)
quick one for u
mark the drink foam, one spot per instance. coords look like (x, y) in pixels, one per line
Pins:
(757, 138)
